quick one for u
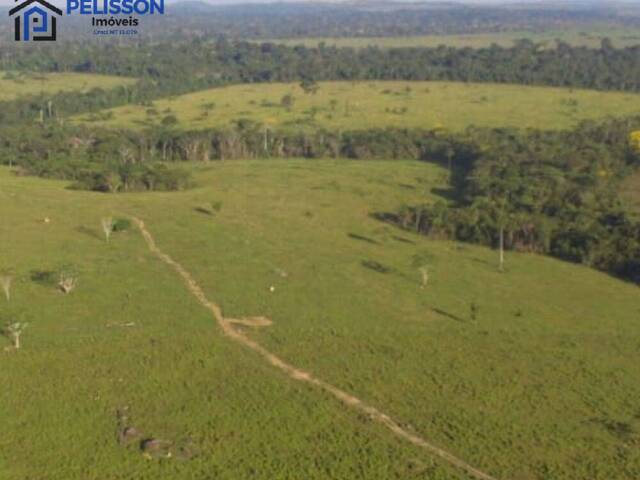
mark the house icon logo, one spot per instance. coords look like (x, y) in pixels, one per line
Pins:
(35, 20)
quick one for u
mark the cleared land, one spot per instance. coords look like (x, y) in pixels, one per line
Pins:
(591, 38)
(347, 106)
(293, 241)
(15, 84)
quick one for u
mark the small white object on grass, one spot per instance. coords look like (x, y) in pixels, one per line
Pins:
(272, 289)
(281, 272)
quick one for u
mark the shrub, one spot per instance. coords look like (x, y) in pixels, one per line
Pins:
(376, 266)
(121, 224)
(169, 120)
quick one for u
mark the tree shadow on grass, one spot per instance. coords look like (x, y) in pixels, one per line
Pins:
(45, 278)
(480, 260)
(204, 211)
(89, 231)
(623, 431)
(386, 217)
(362, 238)
(403, 240)
(376, 266)
(448, 315)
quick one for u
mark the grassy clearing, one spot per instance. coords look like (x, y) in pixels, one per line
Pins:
(15, 84)
(584, 37)
(542, 383)
(181, 380)
(345, 105)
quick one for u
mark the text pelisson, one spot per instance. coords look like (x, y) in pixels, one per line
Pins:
(115, 7)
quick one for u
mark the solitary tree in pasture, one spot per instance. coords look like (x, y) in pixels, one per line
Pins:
(169, 121)
(67, 282)
(5, 283)
(108, 226)
(309, 86)
(424, 271)
(14, 331)
(422, 261)
(288, 101)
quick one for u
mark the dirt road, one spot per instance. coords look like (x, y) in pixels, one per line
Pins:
(301, 375)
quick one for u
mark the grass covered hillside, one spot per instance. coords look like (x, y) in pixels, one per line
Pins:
(18, 84)
(344, 105)
(525, 374)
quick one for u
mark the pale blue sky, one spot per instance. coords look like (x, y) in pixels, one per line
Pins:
(61, 3)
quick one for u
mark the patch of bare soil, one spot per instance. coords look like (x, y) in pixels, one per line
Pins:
(250, 321)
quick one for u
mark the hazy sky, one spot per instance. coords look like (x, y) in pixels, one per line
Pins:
(61, 3)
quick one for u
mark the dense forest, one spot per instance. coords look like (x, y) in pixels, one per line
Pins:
(386, 18)
(178, 67)
(259, 21)
(190, 64)
(546, 192)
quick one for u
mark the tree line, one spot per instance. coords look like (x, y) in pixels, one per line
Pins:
(174, 68)
(555, 193)
(196, 19)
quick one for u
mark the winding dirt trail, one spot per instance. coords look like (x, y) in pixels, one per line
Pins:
(301, 375)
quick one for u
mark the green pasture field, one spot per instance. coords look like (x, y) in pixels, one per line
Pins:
(18, 84)
(363, 105)
(542, 383)
(592, 38)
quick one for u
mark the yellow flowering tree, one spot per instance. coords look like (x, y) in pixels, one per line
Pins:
(634, 139)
